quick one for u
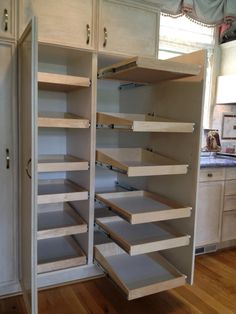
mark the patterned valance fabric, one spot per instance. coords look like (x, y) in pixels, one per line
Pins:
(205, 11)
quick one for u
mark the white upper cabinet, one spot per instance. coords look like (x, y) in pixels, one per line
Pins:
(64, 22)
(128, 28)
(7, 19)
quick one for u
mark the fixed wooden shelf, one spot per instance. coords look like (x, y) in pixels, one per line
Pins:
(148, 70)
(62, 120)
(139, 162)
(51, 163)
(59, 190)
(57, 220)
(59, 253)
(60, 82)
(142, 238)
(140, 275)
(141, 206)
(143, 122)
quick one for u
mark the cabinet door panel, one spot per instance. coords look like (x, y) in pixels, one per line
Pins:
(63, 21)
(8, 233)
(130, 30)
(229, 226)
(210, 202)
(28, 163)
(7, 18)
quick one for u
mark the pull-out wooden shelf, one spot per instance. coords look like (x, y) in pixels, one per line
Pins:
(143, 122)
(61, 120)
(59, 82)
(141, 207)
(51, 163)
(55, 191)
(142, 238)
(139, 162)
(148, 70)
(57, 220)
(59, 253)
(137, 276)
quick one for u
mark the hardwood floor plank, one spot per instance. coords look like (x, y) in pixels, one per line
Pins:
(213, 292)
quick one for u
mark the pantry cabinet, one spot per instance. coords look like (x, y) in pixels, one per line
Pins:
(7, 19)
(8, 169)
(128, 28)
(68, 23)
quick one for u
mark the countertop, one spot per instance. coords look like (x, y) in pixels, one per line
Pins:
(215, 160)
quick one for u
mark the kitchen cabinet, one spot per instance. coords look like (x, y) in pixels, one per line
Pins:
(128, 28)
(67, 23)
(9, 276)
(210, 202)
(7, 19)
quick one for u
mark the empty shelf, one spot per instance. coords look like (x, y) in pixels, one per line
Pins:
(58, 220)
(142, 238)
(50, 163)
(61, 120)
(148, 70)
(143, 122)
(59, 253)
(141, 206)
(139, 162)
(55, 191)
(137, 276)
(59, 82)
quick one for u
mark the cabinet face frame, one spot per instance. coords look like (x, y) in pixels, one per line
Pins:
(28, 61)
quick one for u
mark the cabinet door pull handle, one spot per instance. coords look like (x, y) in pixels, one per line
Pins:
(88, 34)
(6, 16)
(210, 175)
(7, 159)
(27, 168)
(105, 37)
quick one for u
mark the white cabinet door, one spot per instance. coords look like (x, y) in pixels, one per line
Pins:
(64, 22)
(209, 210)
(8, 194)
(28, 163)
(7, 18)
(127, 29)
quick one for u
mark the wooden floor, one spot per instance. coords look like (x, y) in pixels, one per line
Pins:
(214, 291)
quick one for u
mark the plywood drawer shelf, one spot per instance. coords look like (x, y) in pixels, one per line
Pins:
(62, 120)
(142, 238)
(139, 162)
(143, 123)
(55, 191)
(60, 82)
(57, 220)
(141, 207)
(148, 70)
(59, 253)
(52, 163)
(137, 276)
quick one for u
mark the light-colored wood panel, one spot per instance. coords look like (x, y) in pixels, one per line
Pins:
(137, 276)
(141, 207)
(143, 122)
(60, 222)
(54, 191)
(61, 120)
(139, 162)
(59, 253)
(229, 226)
(148, 70)
(230, 202)
(212, 174)
(60, 82)
(141, 238)
(230, 187)
(230, 173)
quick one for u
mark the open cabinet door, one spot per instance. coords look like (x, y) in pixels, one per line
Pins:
(28, 59)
